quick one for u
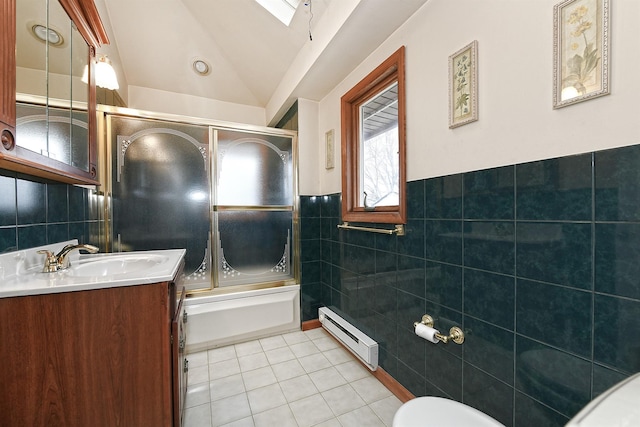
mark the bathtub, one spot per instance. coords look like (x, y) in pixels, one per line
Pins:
(218, 320)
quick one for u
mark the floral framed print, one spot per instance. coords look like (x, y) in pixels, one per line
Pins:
(580, 51)
(463, 86)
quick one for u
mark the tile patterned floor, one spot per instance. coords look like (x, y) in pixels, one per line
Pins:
(299, 379)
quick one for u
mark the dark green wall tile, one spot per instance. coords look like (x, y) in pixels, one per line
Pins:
(413, 351)
(411, 380)
(490, 297)
(444, 284)
(57, 203)
(32, 235)
(530, 413)
(555, 252)
(488, 395)
(490, 349)
(616, 323)
(443, 370)
(557, 379)
(412, 243)
(309, 206)
(604, 379)
(488, 194)
(540, 308)
(8, 239)
(415, 199)
(310, 228)
(7, 200)
(31, 202)
(410, 310)
(617, 266)
(77, 203)
(617, 184)
(387, 334)
(309, 250)
(411, 275)
(57, 233)
(489, 246)
(555, 189)
(443, 197)
(443, 241)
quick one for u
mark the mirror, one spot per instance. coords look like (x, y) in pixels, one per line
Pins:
(373, 146)
(51, 56)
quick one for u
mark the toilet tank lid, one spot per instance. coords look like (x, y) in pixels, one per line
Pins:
(618, 406)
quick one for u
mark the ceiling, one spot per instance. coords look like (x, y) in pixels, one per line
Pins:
(255, 59)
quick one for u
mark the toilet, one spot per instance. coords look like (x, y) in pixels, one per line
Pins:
(618, 406)
(430, 411)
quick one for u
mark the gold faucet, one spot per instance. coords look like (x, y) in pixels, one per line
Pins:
(60, 261)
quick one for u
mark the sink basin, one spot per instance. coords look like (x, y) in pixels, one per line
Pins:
(115, 265)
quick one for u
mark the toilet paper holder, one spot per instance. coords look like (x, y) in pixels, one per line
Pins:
(455, 333)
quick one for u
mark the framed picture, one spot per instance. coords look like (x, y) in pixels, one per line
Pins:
(463, 86)
(580, 51)
(329, 150)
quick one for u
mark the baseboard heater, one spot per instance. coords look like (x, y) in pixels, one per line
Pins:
(363, 347)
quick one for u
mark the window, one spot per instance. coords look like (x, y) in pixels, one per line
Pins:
(373, 146)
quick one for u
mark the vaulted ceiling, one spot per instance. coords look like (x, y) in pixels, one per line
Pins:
(255, 59)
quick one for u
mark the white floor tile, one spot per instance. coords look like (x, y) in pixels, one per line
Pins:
(315, 362)
(316, 333)
(247, 348)
(198, 416)
(386, 408)
(245, 422)
(253, 361)
(343, 399)
(370, 389)
(338, 356)
(258, 378)
(226, 387)
(199, 374)
(265, 398)
(198, 359)
(222, 353)
(272, 342)
(311, 410)
(352, 370)
(280, 417)
(295, 337)
(223, 369)
(289, 369)
(298, 388)
(361, 417)
(278, 355)
(333, 422)
(230, 409)
(197, 394)
(304, 349)
(326, 343)
(327, 379)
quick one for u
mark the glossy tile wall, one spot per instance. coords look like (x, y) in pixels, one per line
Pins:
(35, 213)
(538, 262)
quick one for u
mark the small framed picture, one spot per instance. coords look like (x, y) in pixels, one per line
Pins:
(580, 51)
(329, 150)
(463, 86)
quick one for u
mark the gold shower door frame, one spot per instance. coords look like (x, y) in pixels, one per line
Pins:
(105, 191)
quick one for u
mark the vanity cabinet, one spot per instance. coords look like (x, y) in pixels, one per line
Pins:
(102, 357)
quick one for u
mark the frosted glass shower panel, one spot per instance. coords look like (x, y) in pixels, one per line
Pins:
(161, 196)
(253, 169)
(254, 246)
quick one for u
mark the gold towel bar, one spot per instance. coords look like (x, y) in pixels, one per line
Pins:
(399, 229)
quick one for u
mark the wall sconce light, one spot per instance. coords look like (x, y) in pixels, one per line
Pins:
(105, 74)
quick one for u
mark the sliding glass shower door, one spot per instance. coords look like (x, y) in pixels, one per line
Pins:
(224, 194)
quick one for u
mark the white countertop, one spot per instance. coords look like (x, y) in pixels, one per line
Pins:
(21, 271)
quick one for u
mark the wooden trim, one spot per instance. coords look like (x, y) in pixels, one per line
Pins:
(392, 69)
(311, 324)
(381, 375)
(85, 15)
(8, 66)
(40, 170)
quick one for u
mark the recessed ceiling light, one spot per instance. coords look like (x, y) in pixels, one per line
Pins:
(201, 67)
(47, 34)
(281, 9)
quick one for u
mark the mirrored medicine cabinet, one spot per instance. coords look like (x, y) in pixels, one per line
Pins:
(48, 89)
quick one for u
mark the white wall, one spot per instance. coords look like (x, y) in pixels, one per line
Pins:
(160, 101)
(516, 120)
(308, 147)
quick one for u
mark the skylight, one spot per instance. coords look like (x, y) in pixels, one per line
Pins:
(281, 9)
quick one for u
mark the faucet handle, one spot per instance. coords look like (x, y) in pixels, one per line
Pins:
(50, 263)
